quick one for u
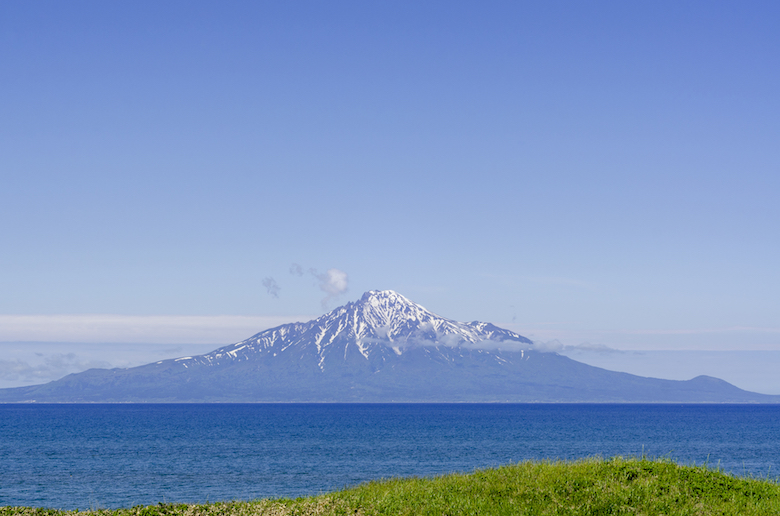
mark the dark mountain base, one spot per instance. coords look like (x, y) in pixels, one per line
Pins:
(381, 348)
(476, 377)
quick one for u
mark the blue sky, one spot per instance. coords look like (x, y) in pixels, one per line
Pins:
(602, 172)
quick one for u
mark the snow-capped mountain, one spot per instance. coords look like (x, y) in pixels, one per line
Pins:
(380, 324)
(380, 348)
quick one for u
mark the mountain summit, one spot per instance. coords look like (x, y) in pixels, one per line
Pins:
(380, 348)
(373, 329)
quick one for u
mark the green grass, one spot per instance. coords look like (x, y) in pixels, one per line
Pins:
(586, 487)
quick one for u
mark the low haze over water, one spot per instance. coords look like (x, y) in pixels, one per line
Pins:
(87, 456)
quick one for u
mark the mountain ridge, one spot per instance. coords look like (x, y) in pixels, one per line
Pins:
(380, 348)
(378, 320)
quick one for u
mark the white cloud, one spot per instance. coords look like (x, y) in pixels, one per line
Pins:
(333, 282)
(556, 346)
(427, 336)
(725, 338)
(551, 346)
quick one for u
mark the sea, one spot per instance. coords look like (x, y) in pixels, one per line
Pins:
(92, 456)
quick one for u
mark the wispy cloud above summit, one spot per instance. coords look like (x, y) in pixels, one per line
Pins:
(333, 282)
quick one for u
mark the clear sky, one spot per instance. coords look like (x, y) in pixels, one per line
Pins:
(600, 173)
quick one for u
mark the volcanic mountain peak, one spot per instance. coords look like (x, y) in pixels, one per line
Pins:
(382, 308)
(384, 314)
(382, 348)
(390, 317)
(380, 322)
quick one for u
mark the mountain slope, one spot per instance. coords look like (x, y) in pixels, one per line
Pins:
(382, 347)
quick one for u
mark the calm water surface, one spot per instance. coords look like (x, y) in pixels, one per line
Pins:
(88, 456)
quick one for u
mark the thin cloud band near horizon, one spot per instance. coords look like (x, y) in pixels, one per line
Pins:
(157, 329)
(225, 329)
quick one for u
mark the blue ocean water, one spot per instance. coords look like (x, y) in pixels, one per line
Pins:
(90, 456)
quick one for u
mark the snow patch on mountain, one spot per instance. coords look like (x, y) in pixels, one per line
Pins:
(380, 322)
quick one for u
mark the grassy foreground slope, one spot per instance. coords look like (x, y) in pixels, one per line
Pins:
(587, 487)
